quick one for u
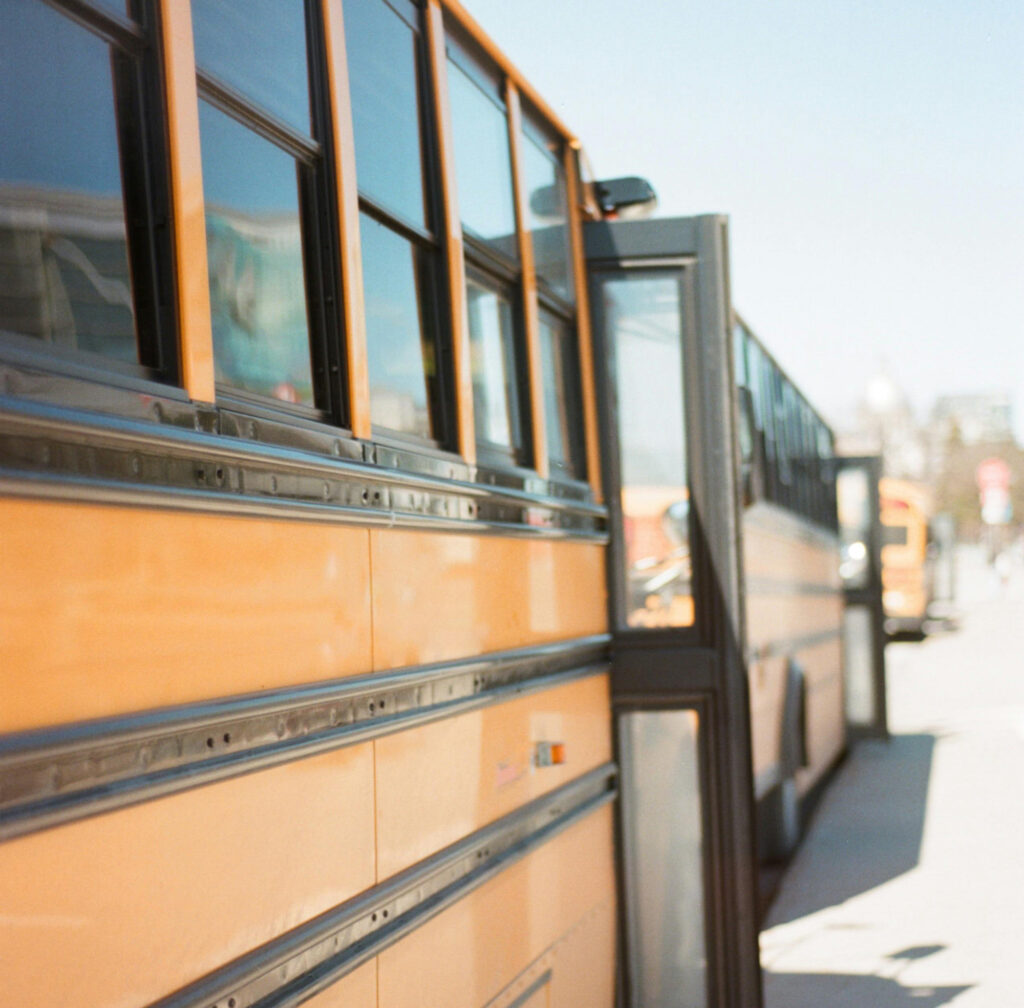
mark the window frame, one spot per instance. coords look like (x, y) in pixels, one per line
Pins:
(430, 245)
(137, 79)
(316, 188)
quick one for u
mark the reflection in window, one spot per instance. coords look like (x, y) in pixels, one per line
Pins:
(546, 209)
(492, 350)
(643, 318)
(63, 244)
(399, 251)
(400, 355)
(482, 164)
(562, 398)
(258, 47)
(254, 244)
(383, 77)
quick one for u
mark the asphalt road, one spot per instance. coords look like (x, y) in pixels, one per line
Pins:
(908, 891)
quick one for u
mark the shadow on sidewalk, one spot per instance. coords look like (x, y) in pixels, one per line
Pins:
(866, 831)
(841, 990)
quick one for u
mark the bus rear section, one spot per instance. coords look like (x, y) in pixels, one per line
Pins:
(906, 561)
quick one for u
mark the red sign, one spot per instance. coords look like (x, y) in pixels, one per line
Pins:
(993, 474)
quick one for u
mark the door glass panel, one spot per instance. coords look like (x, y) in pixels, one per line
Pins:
(852, 491)
(643, 314)
(859, 666)
(663, 848)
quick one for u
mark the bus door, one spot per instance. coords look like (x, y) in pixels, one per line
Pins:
(662, 324)
(860, 532)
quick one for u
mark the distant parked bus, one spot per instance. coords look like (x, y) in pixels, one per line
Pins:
(793, 592)
(906, 562)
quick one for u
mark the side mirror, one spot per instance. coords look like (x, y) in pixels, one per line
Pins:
(626, 198)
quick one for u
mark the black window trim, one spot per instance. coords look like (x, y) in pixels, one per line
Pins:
(320, 241)
(145, 193)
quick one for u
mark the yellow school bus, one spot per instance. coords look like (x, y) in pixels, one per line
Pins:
(907, 568)
(305, 691)
(372, 618)
(792, 591)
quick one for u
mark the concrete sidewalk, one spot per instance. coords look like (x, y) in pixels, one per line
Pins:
(909, 889)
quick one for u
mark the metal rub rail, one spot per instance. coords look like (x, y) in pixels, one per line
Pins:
(55, 775)
(299, 964)
(186, 458)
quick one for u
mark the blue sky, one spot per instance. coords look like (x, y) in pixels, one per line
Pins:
(870, 156)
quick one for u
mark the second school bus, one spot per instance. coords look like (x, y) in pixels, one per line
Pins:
(371, 602)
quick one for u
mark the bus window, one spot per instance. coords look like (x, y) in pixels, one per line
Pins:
(643, 320)
(399, 247)
(254, 81)
(483, 163)
(76, 193)
(546, 212)
(560, 370)
(495, 368)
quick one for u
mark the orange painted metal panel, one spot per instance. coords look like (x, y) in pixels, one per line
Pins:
(570, 163)
(438, 783)
(347, 195)
(125, 908)
(106, 610)
(452, 225)
(439, 597)
(531, 319)
(188, 212)
(357, 990)
(583, 965)
(474, 949)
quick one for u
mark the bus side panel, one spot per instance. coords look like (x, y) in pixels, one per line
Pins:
(124, 908)
(826, 715)
(357, 990)
(439, 597)
(469, 953)
(583, 967)
(794, 614)
(440, 782)
(108, 610)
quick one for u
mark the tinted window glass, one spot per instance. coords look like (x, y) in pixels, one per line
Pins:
(257, 282)
(482, 165)
(63, 245)
(400, 350)
(259, 48)
(495, 391)
(383, 77)
(546, 216)
(562, 418)
(644, 323)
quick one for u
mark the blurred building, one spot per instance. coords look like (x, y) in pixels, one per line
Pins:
(884, 424)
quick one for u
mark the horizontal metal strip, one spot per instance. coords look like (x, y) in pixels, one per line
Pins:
(53, 452)
(792, 645)
(780, 586)
(52, 776)
(308, 959)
